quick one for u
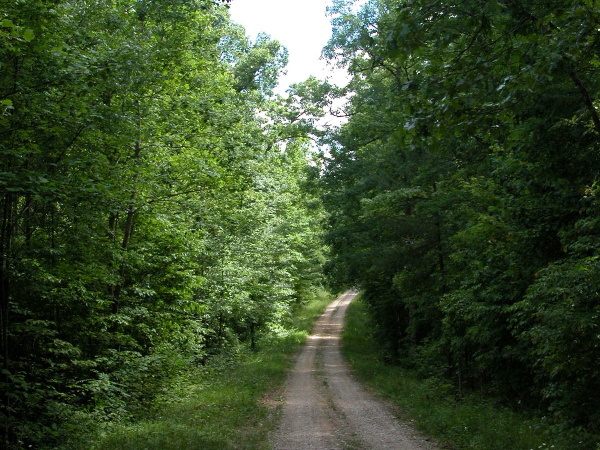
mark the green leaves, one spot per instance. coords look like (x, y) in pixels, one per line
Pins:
(13, 31)
(28, 35)
(455, 189)
(559, 319)
(149, 216)
(260, 66)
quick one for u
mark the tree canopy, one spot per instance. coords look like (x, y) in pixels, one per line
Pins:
(462, 192)
(150, 213)
(159, 203)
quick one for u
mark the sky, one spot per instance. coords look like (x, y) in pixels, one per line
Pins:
(300, 25)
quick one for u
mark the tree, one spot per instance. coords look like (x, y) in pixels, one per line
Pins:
(141, 226)
(471, 140)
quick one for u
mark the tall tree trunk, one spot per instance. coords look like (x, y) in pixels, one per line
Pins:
(129, 222)
(439, 244)
(6, 232)
(127, 233)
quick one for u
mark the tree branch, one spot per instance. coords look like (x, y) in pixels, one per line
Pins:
(587, 99)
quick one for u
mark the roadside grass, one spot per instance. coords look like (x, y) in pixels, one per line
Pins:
(471, 423)
(231, 404)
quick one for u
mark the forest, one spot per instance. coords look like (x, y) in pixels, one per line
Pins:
(160, 204)
(462, 193)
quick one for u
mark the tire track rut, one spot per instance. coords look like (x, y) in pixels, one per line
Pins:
(325, 408)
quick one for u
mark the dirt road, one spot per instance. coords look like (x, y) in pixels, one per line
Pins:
(325, 408)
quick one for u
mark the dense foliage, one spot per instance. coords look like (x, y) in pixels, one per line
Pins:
(152, 211)
(463, 192)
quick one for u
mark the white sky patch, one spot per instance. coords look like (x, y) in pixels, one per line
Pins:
(300, 25)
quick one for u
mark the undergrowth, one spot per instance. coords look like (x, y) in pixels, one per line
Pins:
(472, 422)
(229, 404)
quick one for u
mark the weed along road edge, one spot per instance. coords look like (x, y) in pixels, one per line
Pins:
(325, 408)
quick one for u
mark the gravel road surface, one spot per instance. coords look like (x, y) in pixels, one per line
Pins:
(325, 408)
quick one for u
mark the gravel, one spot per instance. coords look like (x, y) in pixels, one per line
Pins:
(326, 408)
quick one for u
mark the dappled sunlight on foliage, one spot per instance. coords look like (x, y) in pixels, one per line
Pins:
(151, 215)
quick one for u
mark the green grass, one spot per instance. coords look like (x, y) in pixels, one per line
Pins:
(472, 423)
(234, 404)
